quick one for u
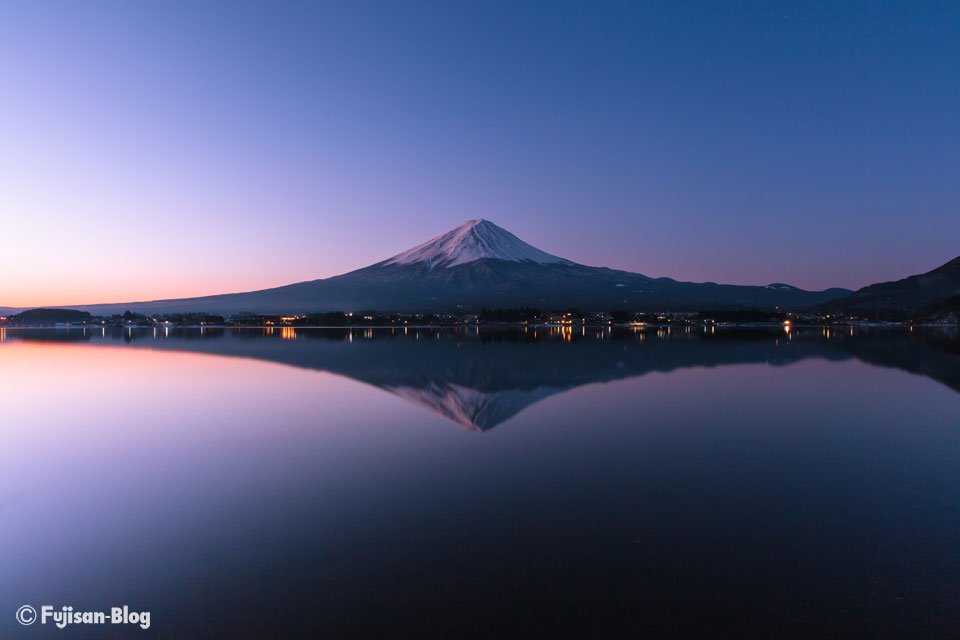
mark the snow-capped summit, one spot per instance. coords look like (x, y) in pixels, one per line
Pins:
(470, 241)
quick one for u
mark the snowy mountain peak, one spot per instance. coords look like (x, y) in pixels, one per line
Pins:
(470, 241)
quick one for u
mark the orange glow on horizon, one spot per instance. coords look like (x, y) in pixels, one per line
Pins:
(40, 293)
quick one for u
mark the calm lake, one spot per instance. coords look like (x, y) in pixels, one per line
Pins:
(391, 483)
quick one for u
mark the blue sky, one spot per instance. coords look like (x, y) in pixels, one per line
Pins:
(167, 149)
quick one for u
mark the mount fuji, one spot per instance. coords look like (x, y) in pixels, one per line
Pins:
(478, 264)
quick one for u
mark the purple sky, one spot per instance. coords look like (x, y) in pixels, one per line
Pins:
(169, 149)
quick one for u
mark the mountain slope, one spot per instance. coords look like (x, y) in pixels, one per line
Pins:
(901, 297)
(946, 311)
(478, 264)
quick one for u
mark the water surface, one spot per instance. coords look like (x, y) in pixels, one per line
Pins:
(433, 483)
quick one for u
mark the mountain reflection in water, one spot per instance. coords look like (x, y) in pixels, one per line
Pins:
(480, 378)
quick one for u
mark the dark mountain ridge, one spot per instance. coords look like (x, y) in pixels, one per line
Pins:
(900, 298)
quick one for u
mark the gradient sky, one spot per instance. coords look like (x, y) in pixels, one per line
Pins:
(152, 150)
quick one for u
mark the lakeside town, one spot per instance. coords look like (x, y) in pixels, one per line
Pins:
(56, 318)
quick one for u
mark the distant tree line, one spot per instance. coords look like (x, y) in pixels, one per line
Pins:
(50, 317)
(511, 315)
(520, 314)
(745, 316)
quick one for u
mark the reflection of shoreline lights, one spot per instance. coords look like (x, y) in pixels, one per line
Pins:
(288, 333)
